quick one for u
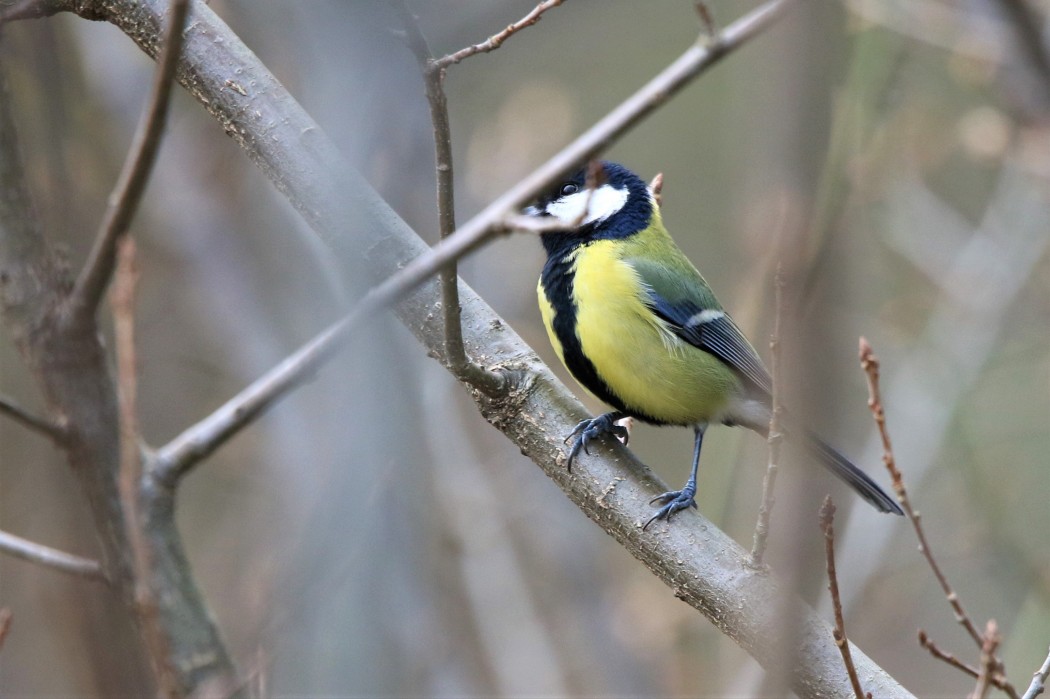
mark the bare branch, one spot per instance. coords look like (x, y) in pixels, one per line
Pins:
(38, 424)
(708, 26)
(827, 525)
(30, 9)
(496, 40)
(988, 660)
(123, 301)
(1038, 680)
(926, 642)
(433, 79)
(870, 363)
(175, 459)
(126, 195)
(776, 435)
(52, 558)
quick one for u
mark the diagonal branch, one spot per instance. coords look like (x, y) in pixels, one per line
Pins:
(177, 457)
(496, 40)
(870, 363)
(46, 427)
(124, 200)
(1038, 680)
(50, 558)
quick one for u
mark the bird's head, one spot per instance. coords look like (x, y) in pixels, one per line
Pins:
(606, 201)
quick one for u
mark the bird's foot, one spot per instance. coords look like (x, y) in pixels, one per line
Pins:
(673, 501)
(591, 429)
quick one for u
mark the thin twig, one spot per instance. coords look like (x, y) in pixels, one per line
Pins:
(926, 642)
(176, 458)
(776, 436)
(124, 200)
(870, 363)
(496, 40)
(5, 624)
(988, 660)
(25, 418)
(123, 301)
(1038, 680)
(708, 26)
(997, 678)
(52, 558)
(827, 525)
(433, 79)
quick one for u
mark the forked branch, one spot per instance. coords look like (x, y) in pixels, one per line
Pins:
(124, 201)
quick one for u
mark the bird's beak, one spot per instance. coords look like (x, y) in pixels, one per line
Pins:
(532, 211)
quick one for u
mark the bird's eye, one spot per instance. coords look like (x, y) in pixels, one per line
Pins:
(569, 188)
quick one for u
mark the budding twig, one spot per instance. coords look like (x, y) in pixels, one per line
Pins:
(827, 525)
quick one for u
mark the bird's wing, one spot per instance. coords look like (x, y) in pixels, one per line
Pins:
(693, 314)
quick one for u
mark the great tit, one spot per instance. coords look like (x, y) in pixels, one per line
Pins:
(635, 323)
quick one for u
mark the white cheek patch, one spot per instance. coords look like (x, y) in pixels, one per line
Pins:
(600, 204)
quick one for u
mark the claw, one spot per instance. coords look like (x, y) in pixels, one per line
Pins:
(673, 501)
(586, 431)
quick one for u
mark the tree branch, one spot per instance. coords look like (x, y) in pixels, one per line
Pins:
(124, 201)
(776, 436)
(496, 40)
(433, 80)
(870, 363)
(51, 558)
(25, 418)
(827, 525)
(1038, 680)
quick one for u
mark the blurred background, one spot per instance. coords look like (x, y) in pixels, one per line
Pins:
(373, 536)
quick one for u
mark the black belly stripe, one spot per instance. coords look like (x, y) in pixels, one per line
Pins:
(557, 280)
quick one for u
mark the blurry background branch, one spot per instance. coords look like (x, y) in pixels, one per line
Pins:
(46, 556)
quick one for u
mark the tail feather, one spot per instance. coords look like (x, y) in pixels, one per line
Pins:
(851, 474)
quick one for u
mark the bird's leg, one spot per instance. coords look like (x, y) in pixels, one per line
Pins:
(593, 428)
(676, 500)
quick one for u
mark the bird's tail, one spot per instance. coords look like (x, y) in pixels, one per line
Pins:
(851, 474)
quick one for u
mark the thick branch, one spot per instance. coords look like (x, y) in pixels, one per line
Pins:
(51, 558)
(702, 565)
(124, 201)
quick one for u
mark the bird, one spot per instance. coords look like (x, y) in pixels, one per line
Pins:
(638, 327)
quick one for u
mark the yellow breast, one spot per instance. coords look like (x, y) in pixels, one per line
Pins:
(654, 373)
